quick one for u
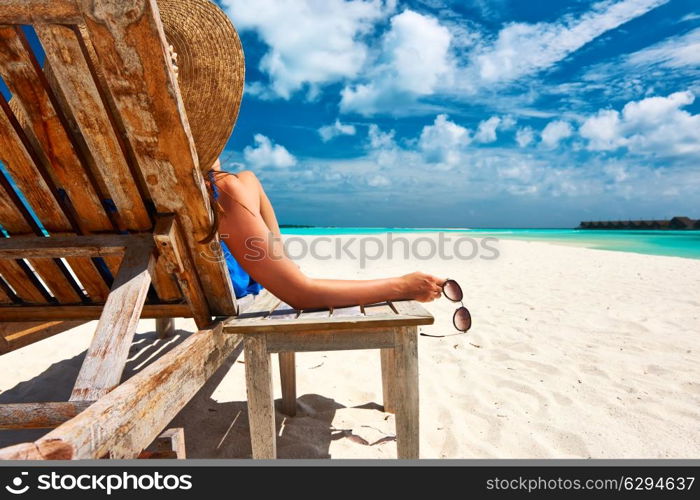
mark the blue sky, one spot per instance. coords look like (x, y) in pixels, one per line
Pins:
(471, 113)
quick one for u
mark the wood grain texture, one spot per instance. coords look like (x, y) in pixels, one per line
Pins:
(256, 323)
(49, 450)
(129, 41)
(287, 363)
(171, 247)
(46, 130)
(388, 379)
(174, 439)
(72, 74)
(39, 415)
(169, 445)
(380, 309)
(16, 276)
(261, 405)
(85, 312)
(411, 308)
(341, 312)
(288, 380)
(39, 11)
(4, 297)
(67, 246)
(407, 407)
(16, 221)
(106, 357)
(17, 335)
(15, 153)
(165, 327)
(130, 417)
(329, 340)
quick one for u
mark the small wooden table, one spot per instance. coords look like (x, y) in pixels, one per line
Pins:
(271, 326)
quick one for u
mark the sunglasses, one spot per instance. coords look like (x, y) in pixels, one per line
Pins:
(462, 320)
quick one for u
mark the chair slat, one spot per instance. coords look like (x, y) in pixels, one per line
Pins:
(18, 335)
(411, 308)
(39, 11)
(4, 298)
(261, 307)
(382, 308)
(164, 282)
(21, 165)
(52, 272)
(70, 71)
(257, 319)
(133, 60)
(26, 288)
(45, 128)
(283, 311)
(341, 312)
(320, 314)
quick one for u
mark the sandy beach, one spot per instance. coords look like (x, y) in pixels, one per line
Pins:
(574, 353)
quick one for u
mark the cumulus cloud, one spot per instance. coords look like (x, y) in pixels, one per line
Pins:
(266, 154)
(443, 142)
(524, 136)
(487, 130)
(555, 132)
(414, 60)
(311, 42)
(330, 132)
(655, 125)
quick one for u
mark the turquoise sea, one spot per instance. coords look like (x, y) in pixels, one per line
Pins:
(672, 243)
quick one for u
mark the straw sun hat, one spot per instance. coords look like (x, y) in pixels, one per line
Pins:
(211, 71)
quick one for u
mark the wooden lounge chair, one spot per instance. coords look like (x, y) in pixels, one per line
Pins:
(102, 205)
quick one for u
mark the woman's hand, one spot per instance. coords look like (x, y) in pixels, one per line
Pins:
(421, 287)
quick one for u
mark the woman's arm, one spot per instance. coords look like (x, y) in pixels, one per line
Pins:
(262, 256)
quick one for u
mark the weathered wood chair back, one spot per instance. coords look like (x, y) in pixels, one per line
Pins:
(95, 142)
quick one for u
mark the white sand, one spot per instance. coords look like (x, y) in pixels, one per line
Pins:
(574, 353)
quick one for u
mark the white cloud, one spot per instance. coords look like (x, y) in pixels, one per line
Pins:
(602, 130)
(443, 142)
(675, 52)
(524, 136)
(311, 42)
(522, 49)
(414, 61)
(487, 130)
(266, 154)
(378, 181)
(380, 139)
(555, 132)
(655, 125)
(329, 132)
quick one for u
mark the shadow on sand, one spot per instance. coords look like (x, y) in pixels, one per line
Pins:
(212, 429)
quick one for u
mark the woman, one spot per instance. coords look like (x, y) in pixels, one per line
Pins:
(249, 229)
(208, 64)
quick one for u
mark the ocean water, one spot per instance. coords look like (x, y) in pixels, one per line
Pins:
(670, 243)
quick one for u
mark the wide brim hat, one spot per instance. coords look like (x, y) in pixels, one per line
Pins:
(211, 71)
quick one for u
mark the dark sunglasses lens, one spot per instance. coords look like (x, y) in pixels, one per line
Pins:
(462, 319)
(453, 291)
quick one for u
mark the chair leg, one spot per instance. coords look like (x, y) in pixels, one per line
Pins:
(165, 327)
(261, 408)
(288, 379)
(406, 360)
(389, 380)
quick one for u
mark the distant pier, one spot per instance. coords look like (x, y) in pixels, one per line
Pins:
(677, 223)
